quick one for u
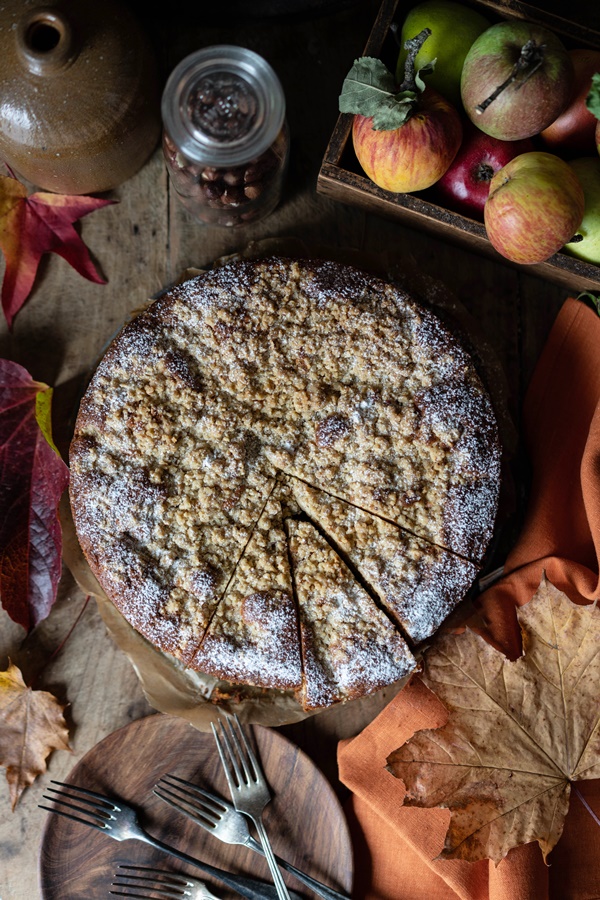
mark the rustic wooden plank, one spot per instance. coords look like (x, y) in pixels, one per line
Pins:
(142, 244)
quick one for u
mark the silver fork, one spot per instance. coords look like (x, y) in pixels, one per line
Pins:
(159, 882)
(120, 821)
(221, 819)
(249, 790)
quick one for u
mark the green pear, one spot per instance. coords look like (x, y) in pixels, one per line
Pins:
(587, 170)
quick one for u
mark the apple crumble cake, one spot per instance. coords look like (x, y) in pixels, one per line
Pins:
(285, 473)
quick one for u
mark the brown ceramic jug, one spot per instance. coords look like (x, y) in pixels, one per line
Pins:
(79, 94)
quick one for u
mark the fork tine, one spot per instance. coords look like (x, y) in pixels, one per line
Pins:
(90, 806)
(171, 893)
(228, 759)
(139, 896)
(73, 787)
(181, 804)
(164, 873)
(99, 809)
(249, 751)
(159, 881)
(248, 775)
(209, 802)
(156, 892)
(60, 812)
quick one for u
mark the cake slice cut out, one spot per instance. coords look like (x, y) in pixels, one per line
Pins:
(253, 635)
(349, 646)
(418, 583)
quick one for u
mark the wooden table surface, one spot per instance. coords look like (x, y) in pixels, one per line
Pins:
(141, 244)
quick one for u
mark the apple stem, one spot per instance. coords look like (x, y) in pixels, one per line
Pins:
(529, 61)
(484, 172)
(412, 46)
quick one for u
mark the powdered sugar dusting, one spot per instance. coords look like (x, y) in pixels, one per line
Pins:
(253, 636)
(349, 647)
(418, 583)
(319, 371)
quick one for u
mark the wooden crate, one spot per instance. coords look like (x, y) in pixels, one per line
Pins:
(342, 178)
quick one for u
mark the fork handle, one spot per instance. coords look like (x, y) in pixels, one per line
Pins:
(318, 887)
(251, 888)
(282, 891)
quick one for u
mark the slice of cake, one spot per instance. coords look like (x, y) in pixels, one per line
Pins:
(418, 583)
(349, 647)
(253, 636)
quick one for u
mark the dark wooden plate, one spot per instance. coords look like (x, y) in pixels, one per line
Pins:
(304, 820)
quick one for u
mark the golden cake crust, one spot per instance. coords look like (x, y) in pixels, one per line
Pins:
(249, 378)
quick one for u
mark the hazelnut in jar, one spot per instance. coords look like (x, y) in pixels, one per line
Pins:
(225, 136)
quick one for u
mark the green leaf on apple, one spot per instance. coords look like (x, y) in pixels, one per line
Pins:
(367, 83)
(426, 69)
(591, 299)
(593, 98)
(369, 90)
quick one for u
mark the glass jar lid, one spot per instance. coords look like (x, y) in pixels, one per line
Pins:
(223, 106)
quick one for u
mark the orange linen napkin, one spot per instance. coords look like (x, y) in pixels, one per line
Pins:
(395, 846)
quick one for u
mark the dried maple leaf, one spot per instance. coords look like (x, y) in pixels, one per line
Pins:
(32, 479)
(31, 726)
(518, 733)
(34, 225)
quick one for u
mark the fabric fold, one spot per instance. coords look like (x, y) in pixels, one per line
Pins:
(561, 537)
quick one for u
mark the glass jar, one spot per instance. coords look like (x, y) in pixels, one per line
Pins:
(225, 136)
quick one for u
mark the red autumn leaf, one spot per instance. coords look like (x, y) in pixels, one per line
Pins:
(32, 479)
(34, 225)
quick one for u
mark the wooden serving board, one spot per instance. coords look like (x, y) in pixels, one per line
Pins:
(304, 820)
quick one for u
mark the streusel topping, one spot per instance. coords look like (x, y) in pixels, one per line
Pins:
(258, 375)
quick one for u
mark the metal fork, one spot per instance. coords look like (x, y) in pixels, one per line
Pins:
(220, 818)
(120, 821)
(159, 882)
(249, 790)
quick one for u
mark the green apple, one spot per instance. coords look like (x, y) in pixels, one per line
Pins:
(587, 170)
(454, 27)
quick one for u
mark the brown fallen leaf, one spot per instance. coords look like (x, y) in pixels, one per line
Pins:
(31, 726)
(518, 733)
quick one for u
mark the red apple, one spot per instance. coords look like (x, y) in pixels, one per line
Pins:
(516, 80)
(466, 184)
(573, 132)
(415, 155)
(405, 136)
(535, 206)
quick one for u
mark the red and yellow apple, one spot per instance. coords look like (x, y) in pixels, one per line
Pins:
(415, 155)
(535, 205)
(405, 136)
